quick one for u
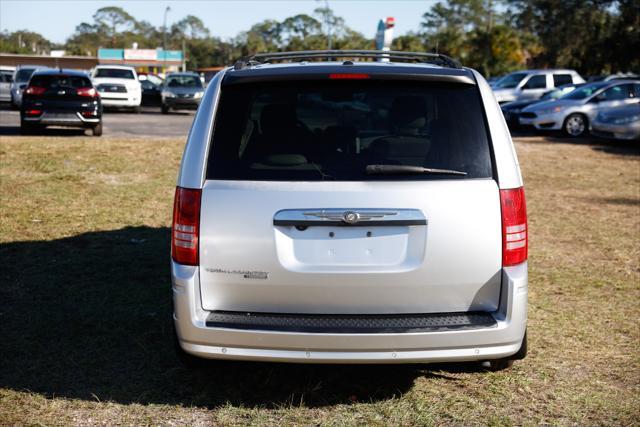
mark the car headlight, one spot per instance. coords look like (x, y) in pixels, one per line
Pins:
(167, 94)
(625, 120)
(546, 111)
(198, 94)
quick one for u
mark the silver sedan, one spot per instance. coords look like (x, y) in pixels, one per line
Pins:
(618, 123)
(574, 112)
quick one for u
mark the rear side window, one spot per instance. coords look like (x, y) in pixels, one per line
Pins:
(116, 73)
(536, 82)
(561, 79)
(310, 131)
(60, 81)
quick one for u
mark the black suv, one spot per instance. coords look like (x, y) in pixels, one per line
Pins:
(60, 98)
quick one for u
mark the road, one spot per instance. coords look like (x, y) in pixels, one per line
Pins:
(150, 123)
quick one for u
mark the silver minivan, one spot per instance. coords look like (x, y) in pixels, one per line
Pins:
(331, 209)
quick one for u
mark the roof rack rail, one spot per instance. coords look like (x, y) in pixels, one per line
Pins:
(331, 55)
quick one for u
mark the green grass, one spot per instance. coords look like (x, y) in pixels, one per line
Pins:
(85, 319)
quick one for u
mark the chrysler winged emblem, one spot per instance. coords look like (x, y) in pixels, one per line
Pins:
(349, 217)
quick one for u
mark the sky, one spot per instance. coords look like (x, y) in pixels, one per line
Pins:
(56, 19)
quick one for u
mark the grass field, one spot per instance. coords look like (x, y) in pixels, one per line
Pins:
(85, 311)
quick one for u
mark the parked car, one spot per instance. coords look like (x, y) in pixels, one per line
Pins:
(532, 84)
(616, 76)
(356, 211)
(60, 98)
(21, 77)
(118, 86)
(511, 110)
(151, 85)
(181, 91)
(6, 78)
(618, 123)
(573, 112)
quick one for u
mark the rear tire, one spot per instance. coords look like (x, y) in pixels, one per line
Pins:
(575, 125)
(97, 130)
(165, 109)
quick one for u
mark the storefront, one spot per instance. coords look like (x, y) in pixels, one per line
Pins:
(156, 61)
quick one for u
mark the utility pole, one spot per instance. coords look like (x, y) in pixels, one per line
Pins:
(164, 41)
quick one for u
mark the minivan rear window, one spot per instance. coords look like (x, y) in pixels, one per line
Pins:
(333, 130)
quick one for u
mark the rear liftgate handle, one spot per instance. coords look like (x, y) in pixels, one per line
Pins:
(349, 217)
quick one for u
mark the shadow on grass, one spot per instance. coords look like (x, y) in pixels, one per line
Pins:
(89, 317)
(610, 146)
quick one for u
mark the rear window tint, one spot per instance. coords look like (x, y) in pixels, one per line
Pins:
(311, 131)
(53, 82)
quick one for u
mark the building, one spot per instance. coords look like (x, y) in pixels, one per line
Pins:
(155, 61)
(76, 62)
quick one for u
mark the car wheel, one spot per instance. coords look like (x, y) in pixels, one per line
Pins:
(165, 109)
(137, 109)
(97, 130)
(575, 125)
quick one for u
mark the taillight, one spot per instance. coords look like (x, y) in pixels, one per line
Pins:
(186, 224)
(33, 112)
(349, 76)
(35, 90)
(89, 113)
(87, 91)
(514, 226)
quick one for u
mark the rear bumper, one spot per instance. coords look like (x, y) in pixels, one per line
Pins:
(68, 120)
(501, 340)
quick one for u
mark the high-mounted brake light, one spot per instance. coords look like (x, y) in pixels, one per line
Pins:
(186, 226)
(349, 76)
(35, 90)
(87, 91)
(514, 226)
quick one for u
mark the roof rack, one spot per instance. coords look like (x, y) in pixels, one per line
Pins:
(332, 55)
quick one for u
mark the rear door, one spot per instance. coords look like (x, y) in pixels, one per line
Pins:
(314, 202)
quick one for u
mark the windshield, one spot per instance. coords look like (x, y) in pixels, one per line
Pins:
(307, 131)
(24, 74)
(184, 81)
(510, 81)
(115, 73)
(584, 91)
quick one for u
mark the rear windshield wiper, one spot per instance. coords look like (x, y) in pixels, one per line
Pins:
(408, 170)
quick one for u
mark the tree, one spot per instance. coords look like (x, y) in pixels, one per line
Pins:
(114, 18)
(474, 32)
(25, 42)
